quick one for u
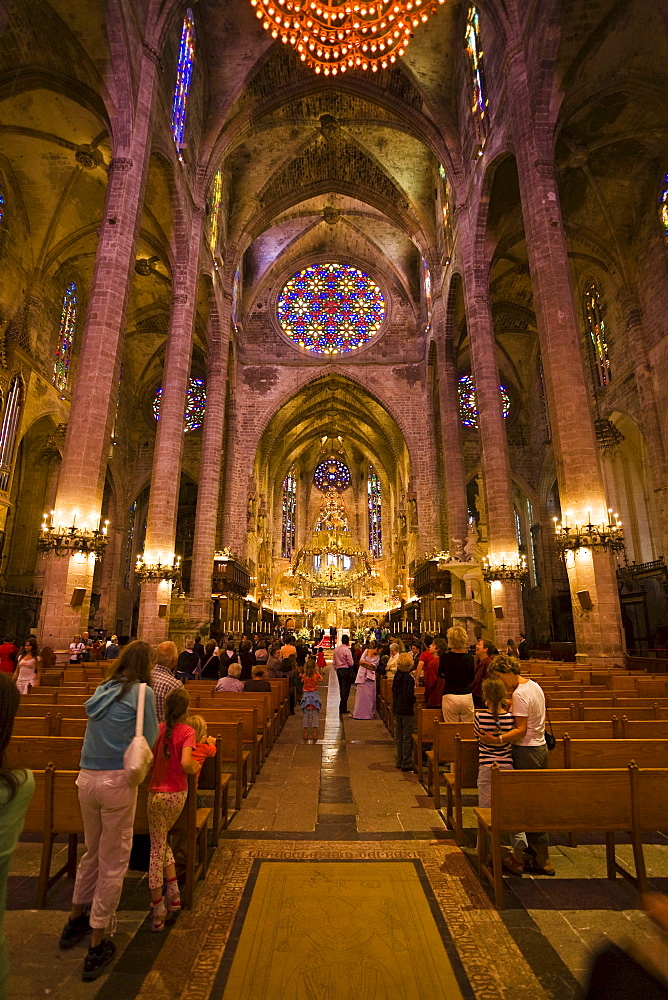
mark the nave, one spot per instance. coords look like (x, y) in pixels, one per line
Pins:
(338, 878)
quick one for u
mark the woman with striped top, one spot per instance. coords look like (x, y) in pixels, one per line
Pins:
(494, 720)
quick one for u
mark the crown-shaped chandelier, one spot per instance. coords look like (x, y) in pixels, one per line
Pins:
(332, 36)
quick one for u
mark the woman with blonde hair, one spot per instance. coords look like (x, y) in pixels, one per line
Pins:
(457, 670)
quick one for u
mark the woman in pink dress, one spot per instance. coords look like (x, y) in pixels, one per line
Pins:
(365, 683)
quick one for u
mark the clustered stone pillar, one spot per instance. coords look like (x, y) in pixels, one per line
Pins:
(598, 629)
(206, 518)
(451, 437)
(166, 472)
(86, 451)
(506, 596)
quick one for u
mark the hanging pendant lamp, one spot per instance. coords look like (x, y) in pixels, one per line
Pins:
(332, 37)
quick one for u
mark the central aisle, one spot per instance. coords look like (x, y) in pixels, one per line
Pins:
(344, 787)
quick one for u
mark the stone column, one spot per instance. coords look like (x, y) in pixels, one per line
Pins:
(86, 450)
(451, 437)
(598, 630)
(493, 443)
(166, 471)
(656, 467)
(208, 490)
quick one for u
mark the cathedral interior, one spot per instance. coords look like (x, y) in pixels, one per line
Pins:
(291, 339)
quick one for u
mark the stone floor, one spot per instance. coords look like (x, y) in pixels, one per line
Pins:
(339, 880)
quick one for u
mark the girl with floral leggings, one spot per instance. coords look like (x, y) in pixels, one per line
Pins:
(173, 762)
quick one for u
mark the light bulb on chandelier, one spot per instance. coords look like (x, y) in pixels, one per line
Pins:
(332, 37)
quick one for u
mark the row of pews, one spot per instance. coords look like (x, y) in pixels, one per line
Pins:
(608, 772)
(48, 736)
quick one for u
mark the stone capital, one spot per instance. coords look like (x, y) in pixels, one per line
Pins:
(180, 299)
(152, 54)
(121, 163)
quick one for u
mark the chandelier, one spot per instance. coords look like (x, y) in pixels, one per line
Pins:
(571, 537)
(169, 571)
(66, 540)
(332, 36)
(510, 568)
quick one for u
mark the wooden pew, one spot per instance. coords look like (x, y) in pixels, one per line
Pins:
(424, 727)
(245, 699)
(234, 759)
(552, 800)
(445, 733)
(443, 751)
(28, 726)
(649, 804)
(29, 751)
(212, 777)
(618, 753)
(464, 774)
(253, 738)
(650, 729)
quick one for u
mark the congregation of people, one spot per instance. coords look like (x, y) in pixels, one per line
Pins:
(152, 683)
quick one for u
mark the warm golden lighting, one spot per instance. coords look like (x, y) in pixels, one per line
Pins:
(332, 37)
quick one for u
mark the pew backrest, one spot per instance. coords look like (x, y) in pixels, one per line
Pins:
(34, 752)
(653, 729)
(561, 800)
(27, 726)
(618, 753)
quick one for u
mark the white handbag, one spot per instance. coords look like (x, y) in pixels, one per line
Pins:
(138, 757)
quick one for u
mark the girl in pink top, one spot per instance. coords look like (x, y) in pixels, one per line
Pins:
(172, 763)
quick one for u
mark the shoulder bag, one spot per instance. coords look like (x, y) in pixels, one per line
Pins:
(138, 757)
(550, 740)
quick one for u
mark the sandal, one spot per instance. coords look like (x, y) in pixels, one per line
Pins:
(159, 914)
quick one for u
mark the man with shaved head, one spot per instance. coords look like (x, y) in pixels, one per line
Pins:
(162, 676)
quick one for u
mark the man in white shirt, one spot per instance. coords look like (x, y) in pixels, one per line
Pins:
(527, 742)
(343, 664)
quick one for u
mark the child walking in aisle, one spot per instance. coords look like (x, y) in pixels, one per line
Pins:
(495, 720)
(310, 703)
(173, 762)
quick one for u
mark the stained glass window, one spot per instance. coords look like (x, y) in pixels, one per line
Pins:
(195, 405)
(596, 327)
(10, 426)
(375, 514)
(216, 198)
(184, 72)
(289, 511)
(332, 475)
(68, 320)
(663, 208)
(2, 204)
(468, 402)
(331, 309)
(475, 54)
(426, 281)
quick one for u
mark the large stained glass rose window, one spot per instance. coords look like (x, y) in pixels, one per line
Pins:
(331, 309)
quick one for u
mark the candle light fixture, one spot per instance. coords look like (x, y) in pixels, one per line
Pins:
(508, 567)
(70, 539)
(332, 36)
(168, 571)
(608, 537)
